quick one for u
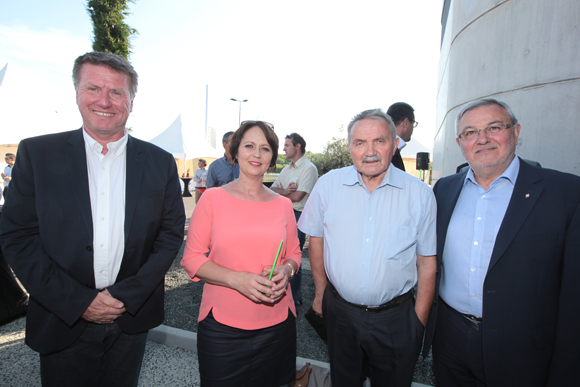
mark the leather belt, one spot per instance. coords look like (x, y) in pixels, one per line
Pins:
(370, 308)
(472, 321)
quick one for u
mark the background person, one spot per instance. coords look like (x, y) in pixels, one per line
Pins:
(296, 182)
(403, 116)
(223, 170)
(7, 174)
(200, 178)
(93, 249)
(246, 331)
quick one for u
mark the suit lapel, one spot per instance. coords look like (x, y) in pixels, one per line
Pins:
(134, 173)
(448, 199)
(76, 165)
(524, 197)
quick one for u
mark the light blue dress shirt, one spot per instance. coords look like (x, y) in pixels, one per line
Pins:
(470, 239)
(371, 240)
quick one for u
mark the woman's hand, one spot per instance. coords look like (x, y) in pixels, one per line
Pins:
(255, 287)
(280, 277)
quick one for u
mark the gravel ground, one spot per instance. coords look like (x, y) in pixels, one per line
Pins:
(183, 298)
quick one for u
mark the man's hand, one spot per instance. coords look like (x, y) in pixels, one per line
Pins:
(104, 309)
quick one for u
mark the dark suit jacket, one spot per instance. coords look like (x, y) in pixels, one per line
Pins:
(46, 232)
(397, 160)
(531, 307)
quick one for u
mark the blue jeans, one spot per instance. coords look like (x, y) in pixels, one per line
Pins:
(296, 282)
(102, 356)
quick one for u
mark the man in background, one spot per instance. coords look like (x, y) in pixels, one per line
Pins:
(296, 182)
(223, 170)
(404, 118)
(93, 221)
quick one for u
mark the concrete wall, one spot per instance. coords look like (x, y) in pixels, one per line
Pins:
(523, 52)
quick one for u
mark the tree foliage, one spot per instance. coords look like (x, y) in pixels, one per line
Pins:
(335, 155)
(111, 33)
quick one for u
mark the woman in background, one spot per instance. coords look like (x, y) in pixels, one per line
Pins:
(199, 178)
(246, 331)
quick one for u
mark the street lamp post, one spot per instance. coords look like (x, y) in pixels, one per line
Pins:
(240, 102)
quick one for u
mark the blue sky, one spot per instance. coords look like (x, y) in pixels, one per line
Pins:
(306, 66)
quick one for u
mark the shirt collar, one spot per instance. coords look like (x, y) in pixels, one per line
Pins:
(116, 148)
(298, 163)
(402, 143)
(511, 173)
(392, 178)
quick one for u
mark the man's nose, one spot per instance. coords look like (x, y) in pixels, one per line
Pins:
(104, 100)
(482, 137)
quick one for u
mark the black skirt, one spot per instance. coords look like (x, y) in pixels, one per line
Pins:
(237, 357)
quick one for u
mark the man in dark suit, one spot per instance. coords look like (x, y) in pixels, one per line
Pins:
(93, 221)
(404, 118)
(508, 243)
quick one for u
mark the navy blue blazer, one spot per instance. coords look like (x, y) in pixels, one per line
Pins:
(46, 232)
(531, 307)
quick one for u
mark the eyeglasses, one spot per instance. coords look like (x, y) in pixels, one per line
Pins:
(415, 123)
(470, 135)
(271, 126)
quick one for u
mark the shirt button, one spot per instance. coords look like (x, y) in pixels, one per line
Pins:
(367, 240)
(102, 193)
(100, 271)
(473, 296)
(102, 244)
(483, 196)
(104, 168)
(473, 269)
(476, 243)
(363, 288)
(479, 218)
(371, 218)
(102, 218)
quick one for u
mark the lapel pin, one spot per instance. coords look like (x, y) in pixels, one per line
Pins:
(527, 195)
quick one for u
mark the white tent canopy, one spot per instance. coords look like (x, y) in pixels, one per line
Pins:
(186, 147)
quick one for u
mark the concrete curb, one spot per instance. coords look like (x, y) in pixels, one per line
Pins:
(179, 338)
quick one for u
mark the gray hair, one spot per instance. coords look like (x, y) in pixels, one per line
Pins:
(483, 102)
(112, 61)
(373, 114)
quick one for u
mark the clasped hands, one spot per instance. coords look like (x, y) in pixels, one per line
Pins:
(104, 309)
(259, 289)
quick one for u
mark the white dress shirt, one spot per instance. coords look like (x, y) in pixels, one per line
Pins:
(107, 190)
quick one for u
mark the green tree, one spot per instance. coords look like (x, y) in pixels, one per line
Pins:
(111, 33)
(335, 155)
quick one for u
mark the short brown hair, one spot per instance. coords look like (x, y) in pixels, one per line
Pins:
(11, 156)
(271, 137)
(203, 161)
(112, 61)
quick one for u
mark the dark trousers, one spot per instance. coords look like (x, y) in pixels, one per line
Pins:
(457, 351)
(389, 341)
(13, 300)
(102, 356)
(296, 282)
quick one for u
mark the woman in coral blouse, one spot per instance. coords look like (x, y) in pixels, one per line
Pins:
(246, 332)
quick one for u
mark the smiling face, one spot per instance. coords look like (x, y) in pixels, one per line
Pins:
(104, 102)
(488, 155)
(371, 148)
(254, 153)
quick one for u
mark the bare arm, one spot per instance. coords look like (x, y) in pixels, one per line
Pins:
(316, 252)
(426, 272)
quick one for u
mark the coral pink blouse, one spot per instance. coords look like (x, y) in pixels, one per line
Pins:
(242, 236)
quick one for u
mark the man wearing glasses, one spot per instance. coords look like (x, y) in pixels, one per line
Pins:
(404, 118)
(508, 242)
